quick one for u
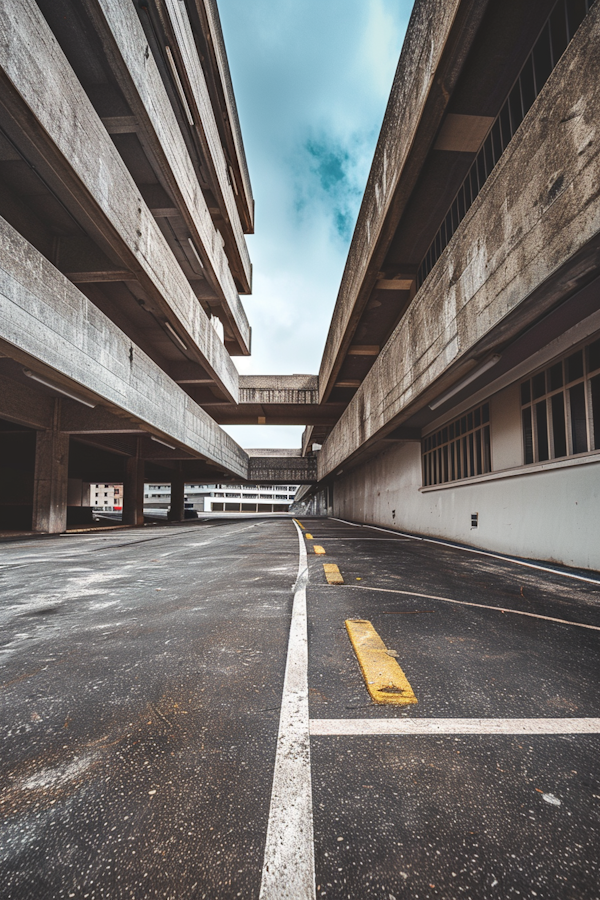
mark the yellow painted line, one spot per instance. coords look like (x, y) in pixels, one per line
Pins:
(300, 524)
(332, 573)
(320, 551)
(309, 537)
(384, 679)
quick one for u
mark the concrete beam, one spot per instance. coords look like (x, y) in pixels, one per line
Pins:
(43, 97)
(531, 239)
(420, 94)
(125, 45)
(269, 468)
(189, 373)
(51, 327)
(78, 419)
(23, 405)
(207, 14)
(292, 389)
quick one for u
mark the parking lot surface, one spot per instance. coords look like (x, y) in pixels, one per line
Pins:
(183, 715)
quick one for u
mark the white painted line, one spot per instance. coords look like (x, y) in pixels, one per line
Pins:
(374, 727)
(289, 864)
(397, 540)
(354, 524)
(515, 612)
(512, 559)
(410, 537)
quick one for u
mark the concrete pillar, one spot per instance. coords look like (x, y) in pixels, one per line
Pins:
(51, 478)
(177, 509)
(133, 490)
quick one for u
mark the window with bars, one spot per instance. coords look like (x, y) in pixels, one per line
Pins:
(563, 22)
(560, 407)
(458, 450)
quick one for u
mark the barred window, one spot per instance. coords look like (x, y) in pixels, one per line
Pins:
(560, 407)
(458, 450)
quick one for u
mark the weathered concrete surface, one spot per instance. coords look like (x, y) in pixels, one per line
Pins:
(208, 15)
(52, 327)
(125, 44)
(51, 478)
(279, 389)
(203, 114)
(280, 466)
(437, 41)
(40, 86)
(142, 675)
(150, 762)
(23, 404)
(530, 238)
(133, 491)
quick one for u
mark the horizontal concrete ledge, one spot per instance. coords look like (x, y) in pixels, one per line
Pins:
(292, 389)
(271, 468)
(374, 727)
(287, 452)
(47, 324)
(533, 469)
(280, 382)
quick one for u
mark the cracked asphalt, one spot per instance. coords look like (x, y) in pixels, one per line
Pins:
(142, 672)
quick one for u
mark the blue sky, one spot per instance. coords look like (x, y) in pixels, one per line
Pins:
(311, 79)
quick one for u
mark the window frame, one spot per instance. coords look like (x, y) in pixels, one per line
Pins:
(462, 444)
(585, 379)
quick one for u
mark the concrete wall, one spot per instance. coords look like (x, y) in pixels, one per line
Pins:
(530, 237)
(550, 513)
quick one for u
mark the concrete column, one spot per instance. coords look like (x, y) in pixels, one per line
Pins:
(133, 490)
(51, 478)
(177, 509)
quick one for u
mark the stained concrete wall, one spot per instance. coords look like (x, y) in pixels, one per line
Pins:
(530, 237)
(549, 514)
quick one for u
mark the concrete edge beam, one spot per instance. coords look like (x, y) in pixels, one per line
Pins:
(52, 327)
(203, 114)
(531, 238)
(44, 90)
(23, 405)
(208, 12)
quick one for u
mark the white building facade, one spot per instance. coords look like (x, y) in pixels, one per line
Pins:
(246, 498)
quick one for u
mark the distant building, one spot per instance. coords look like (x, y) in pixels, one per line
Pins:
(224, 497)
(107, 497)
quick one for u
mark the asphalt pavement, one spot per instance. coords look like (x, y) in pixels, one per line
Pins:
(142, 675)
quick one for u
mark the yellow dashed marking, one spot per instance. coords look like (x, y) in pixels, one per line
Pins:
(332, 573)
(384, 679)
(320, 551)
(300, 524)
(309, 537)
